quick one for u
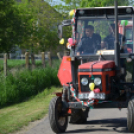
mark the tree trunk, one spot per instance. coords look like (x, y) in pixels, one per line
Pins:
(5, 64)
(43, 59)
(33, 60)
(27, 60)
(49, 58)
(8, 55)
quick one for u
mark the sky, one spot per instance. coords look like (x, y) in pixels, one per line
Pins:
(55, 2)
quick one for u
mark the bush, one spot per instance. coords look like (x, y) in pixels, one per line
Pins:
(23, 84)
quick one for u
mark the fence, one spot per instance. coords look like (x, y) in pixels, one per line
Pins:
(30, 56)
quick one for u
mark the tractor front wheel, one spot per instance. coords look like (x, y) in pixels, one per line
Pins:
(58, 119)
(130, 116)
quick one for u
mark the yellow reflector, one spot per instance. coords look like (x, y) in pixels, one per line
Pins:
(71, 13)
(62, 41)
(91, 86)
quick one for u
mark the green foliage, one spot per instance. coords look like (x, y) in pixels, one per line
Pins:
(26, 83)
(42, 31)
(69, 5)
(11, 25)
(102, 3)
(30, 24)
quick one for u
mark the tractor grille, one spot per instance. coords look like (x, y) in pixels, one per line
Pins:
(86, 88)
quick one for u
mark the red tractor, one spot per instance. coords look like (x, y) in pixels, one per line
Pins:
(93, 76)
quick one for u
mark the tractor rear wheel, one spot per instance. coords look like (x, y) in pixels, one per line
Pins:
(130, 115)
(58, 120)
(79, 116)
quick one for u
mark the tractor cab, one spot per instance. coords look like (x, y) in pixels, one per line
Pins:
(94, 74)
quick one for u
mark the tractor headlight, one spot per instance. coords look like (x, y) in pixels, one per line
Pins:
(97, 81)
(84, 81)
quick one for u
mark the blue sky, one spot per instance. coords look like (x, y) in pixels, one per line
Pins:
(54, 2)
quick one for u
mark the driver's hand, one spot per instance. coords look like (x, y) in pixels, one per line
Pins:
(129, 60)
(78, 53)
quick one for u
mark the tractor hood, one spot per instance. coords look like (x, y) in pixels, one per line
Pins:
(97, 66)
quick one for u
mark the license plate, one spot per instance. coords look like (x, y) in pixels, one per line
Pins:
(83, 96)
(100, 96)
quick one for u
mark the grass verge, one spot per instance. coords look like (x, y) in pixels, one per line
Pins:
(21, 85)
(15, 117)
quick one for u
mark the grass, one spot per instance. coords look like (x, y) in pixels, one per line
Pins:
(19, 63)
(16, 63)
(12, 63)
(17, 88)
(21, 84)
(15, 117)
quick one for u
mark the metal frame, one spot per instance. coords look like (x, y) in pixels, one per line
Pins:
(103, 7)
(133, 32)
(104, 17)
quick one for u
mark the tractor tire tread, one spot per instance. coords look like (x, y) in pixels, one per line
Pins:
(52, 118)
(130, 116)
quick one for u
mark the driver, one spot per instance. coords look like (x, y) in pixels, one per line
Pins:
(90, 42)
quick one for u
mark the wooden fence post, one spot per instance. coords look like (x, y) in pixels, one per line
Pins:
(58, 54)
(43, 59)
(5, 64)
(33, 60)
(49, 58)
(27, 60)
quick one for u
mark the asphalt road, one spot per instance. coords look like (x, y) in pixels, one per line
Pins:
(100, 121)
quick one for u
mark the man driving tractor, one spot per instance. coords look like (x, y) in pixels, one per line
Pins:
(89, 42)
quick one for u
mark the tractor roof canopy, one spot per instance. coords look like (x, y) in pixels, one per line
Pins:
(100, 11)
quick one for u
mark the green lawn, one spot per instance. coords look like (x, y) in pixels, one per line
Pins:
(14, 117)
(12, 63)
(19, 63)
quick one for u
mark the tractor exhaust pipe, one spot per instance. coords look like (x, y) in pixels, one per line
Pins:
(116, 44)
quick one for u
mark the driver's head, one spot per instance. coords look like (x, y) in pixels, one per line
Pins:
(89, 30)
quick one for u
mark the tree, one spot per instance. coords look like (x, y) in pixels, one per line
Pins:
(27, 23)
(43, 29)
(102, 3)
(12, 25)
(8, 24)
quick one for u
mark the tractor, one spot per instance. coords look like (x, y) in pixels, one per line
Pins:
(94, 73)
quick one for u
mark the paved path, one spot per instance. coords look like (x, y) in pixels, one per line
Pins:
(100, 121)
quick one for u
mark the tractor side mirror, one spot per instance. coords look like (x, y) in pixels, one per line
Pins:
(66, 22)
(60, 31)
(60, 27)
